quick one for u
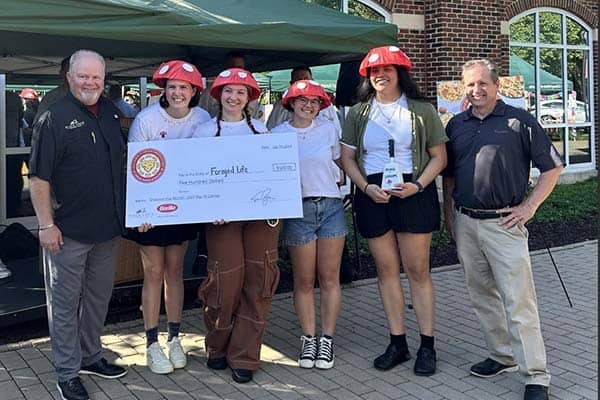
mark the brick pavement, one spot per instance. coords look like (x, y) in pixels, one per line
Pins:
(571, 340)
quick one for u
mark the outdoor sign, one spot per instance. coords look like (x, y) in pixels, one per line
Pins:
(451, 99)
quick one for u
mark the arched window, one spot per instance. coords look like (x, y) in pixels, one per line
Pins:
(552, 50)
(367, 9)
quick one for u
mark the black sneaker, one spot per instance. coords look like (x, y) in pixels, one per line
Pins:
(325, 356)
(103, 369)
(536, 392)
(217, 363)
(489, 368)
(390, 358)
(308, 354)
(241, 375)
(72, 390)
(425, 363)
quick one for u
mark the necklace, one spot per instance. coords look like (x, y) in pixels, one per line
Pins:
(303, 132)
(388, 118)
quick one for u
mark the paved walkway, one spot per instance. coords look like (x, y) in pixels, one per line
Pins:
(571, 341)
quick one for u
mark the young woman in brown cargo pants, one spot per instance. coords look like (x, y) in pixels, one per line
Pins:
(242, 265)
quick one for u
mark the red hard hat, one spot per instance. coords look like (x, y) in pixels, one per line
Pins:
(178, 70)
(29, 94)
(385, 55)
(306, 87)
(235, 76)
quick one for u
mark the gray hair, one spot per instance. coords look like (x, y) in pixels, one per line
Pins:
(484, 62)
(79, 54)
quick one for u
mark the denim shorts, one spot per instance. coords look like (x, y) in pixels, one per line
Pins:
(323, 219)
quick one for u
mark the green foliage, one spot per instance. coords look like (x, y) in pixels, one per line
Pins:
(570, 202)
(550, 32)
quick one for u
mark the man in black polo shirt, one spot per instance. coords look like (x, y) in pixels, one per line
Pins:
(486, 204)
(77, 157)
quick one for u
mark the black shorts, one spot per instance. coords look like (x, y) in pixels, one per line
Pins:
(164, 235)
(419, 213)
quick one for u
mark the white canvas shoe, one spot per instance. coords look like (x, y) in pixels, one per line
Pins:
(176, 354)
(157, 361)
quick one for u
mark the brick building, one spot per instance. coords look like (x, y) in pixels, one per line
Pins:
(553, 38)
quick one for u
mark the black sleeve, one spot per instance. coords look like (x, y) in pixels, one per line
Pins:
(45, 148)
(542, 152)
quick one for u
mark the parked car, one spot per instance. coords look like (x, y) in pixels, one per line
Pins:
(553, 112)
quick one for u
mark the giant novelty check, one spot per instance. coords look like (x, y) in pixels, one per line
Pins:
(235, 178)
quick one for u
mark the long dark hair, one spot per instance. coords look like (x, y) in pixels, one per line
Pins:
(406, 84)
(194, 101)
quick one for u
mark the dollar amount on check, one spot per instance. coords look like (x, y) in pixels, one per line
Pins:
(235, 178)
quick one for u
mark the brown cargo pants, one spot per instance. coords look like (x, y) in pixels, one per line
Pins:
(242, 278)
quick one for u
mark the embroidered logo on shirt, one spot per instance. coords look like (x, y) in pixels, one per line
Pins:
(75, 124)
(163, 134)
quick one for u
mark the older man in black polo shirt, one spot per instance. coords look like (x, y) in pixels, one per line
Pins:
(487, 205)
(77, 155)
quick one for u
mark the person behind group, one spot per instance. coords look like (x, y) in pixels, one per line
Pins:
(31, 102)
(242, 256)
(233, 59)
(316, 241)
(162, 248)
(80, 238)
(399, 221)
(280, 114)
(126, 109)
(486, 203)
(58, 92)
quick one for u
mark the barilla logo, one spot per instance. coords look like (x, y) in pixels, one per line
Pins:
(168, 207)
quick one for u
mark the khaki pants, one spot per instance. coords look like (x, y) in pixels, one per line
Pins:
(500, 283)
(242, 278)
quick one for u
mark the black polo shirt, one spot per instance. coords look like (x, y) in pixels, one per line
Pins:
(82, 157)
(490, 158)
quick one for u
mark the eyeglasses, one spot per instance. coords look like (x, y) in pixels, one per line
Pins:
(304, 101)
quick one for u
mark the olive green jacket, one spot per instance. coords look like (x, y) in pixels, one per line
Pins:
(427, 131)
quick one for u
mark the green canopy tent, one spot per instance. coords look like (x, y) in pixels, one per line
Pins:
(136, 35)
(326, 75)
(548, 81)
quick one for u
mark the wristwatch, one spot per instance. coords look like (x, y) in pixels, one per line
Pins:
(421, 188)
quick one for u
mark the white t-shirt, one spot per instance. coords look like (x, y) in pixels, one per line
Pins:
(388, 121)
(318, 146)
(209, 128)
(154, 123)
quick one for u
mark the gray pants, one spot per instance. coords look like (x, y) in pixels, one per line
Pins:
(500, 283)
(79, 281)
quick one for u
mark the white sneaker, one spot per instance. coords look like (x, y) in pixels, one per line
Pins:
(325, 356)
(308, 354)
(176, 353)
(157, 361)
(4, 271)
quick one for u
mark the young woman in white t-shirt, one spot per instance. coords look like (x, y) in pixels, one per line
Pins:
(242, 255)
(163, 248)
(316, 241)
